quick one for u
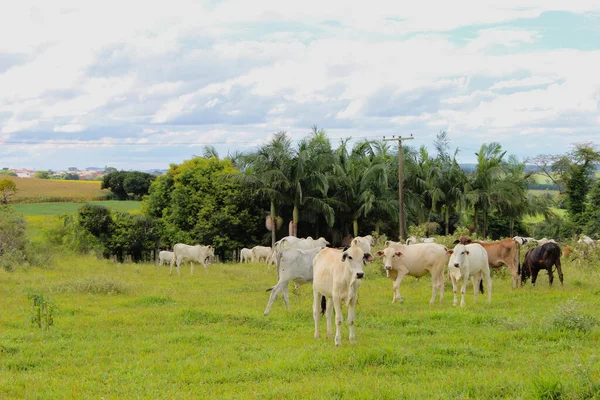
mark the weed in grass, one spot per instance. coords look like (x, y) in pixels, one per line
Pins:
(94, 285)
(568, 317)
(42, 310)
(191, 317)
(548, 388)
(154, 301)
(8, 350)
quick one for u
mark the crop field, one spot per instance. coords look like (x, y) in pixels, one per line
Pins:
(33, 190)
(123, 331)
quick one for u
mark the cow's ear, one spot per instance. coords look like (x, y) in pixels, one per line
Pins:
(379, 253)
(344, 257)
(398, 253)
(345, 248)
(450, 252)
(368, 257)
(209, 246)
(456, 241)
(468, 241)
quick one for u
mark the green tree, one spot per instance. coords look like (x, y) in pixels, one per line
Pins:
(592, 228)
(43, 174)
(137, 184)
(70, 177)
(8, 188)
(115, 181)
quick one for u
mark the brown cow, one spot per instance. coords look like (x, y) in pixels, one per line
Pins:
(502, 252)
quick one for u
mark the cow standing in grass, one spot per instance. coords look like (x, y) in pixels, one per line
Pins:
(469, 261)
(183, 252)
(545, 257)
(337, 277)
(165, 257)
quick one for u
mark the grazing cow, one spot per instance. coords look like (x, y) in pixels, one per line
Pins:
(183, 252)
(505, 251)
(337, 275)
(260, 253)
(469, 261)
(545, 257)
(292, 265)
(414, 240)
(416, 260)
(521, 240)
(245, 255)
(292, 242)
(165, 257)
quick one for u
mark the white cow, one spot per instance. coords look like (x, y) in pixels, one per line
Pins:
(292, 242)
(292, 265)
(165, 257)
(183, 252)
(337, 275)
(364, 242)
(414, 240)
(389, 243)
(260, 252)
(522, 240)
(545, 240)
(245, 255)
(416, 260)
(586, 240)
(469, 261)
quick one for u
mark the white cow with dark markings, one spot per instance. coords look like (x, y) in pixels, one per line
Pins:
(193, 254)
(337, 277)
(469, 261)
(416, 260)
(292, 265)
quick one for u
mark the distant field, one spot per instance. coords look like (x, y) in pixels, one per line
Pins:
(32, 190)
(540, 218)
(44, 209)
(540, 192)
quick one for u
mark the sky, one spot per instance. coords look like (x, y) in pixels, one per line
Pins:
(141, 84)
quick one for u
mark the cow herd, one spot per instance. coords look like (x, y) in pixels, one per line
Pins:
(336, 273)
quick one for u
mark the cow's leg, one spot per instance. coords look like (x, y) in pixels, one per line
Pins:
(351, 307)
(286, 296)
(488, 284)
(534, 274)
(191, 268)
(550, 275)
(177, 264)
(396, 286)
(475, 280)
(339, 319)
(463, 289)
(171, 266)
(329, 315)
(272, 298)
(559, 271)
(454, 289)
(316, 311)
(204, 265)
(437, 285)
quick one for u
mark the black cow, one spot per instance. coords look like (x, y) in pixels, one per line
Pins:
(542, 257)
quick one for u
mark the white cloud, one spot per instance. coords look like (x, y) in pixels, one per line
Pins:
(516, 83)
(69, 128)
(16, 125)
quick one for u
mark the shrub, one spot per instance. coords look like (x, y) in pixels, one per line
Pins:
(42, 311)
(12, 238)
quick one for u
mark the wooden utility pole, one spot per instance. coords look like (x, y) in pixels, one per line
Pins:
(399, 139)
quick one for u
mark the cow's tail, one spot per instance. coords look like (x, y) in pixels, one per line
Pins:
(481, 285)
(518, 260)
(323, 304)
(269, 289)
(278, 261)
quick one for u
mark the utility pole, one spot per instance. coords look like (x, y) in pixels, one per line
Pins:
(399, 139)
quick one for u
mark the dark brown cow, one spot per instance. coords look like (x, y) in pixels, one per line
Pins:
(545, 257)
(502, 252)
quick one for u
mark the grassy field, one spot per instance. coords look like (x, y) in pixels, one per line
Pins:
(132, 331)
(33, 190)
(45, 209)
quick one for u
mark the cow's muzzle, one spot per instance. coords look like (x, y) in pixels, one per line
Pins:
(388, 267)
(456, 265)
(359, 275)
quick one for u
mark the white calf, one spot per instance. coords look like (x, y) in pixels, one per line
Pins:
(292, 265)
(337, 276)
(245, 255)
(183, 252)
(363, 242)
(469, 261)
(165, 257)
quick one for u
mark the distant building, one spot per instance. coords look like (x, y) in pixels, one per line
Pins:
(24, 173)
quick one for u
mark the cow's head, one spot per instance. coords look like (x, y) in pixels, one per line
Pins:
(322, 242)
(353, 259)
(389, 255)
(457, 259)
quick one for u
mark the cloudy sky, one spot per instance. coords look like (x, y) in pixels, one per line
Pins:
(141, 84)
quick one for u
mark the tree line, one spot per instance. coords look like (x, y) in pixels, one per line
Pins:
(315, 188)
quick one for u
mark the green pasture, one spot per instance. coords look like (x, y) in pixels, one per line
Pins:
(539, 218)
(58, 208)
(131, 331)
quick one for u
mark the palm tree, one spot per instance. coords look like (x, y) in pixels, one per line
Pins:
(484, 183)
(264, 172)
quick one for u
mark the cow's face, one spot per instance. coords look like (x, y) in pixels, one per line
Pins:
(389, 255)
(458, 256)
(322, 242)
(353, 259)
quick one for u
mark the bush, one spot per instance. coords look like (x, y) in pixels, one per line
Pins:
(12, 239)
